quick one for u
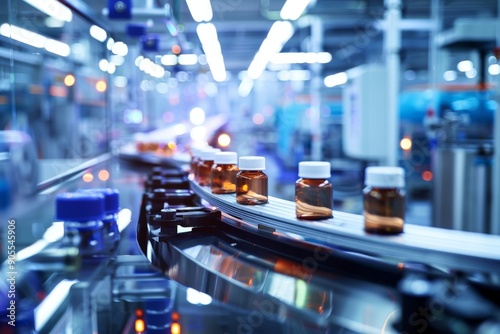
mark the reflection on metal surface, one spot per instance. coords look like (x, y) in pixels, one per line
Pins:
(387, 321)
(227, 264)
(289, 289)
(51, 303)
(195, 297)
(274, 287)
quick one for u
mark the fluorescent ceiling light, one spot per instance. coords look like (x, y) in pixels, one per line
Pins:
(52, 8)
(35, 40)
(111, 68)
(57, 47)
(257, 66)
(197, 116)
(201, 10)
(51, 22)
(278, 35)
(110, 43)
(292, 9)
(149, 67)
(217, 68)
(119, 48)
(207, 33)
(450, 75)
(494, 69)
(103, 65)
(465, 65)
(245, 87)
(336, 79)
(23, 35)
(188, 59)
(301, 58)
(98, 33)
(138, 60)
(471, 73)
(198, 133)
(169, 60)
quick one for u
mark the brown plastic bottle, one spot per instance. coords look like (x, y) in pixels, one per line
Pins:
(224, 172)
(384, 200)
(251, 181)
(313, 192)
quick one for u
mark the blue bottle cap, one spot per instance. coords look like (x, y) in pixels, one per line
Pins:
(79, 206)
(111, 198)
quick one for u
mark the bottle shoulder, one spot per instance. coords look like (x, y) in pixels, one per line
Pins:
(225, 167)
(252, 174)
(306, 182)
(383, 192)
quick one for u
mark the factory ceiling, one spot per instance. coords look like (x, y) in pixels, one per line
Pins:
(352, 30)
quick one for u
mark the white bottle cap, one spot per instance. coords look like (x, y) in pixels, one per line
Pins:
(207, 154)
(314, 169)
(385, 177)
(252, 163)
(226, 158)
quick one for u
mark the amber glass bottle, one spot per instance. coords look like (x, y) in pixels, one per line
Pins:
(195, 160)
(313, 192)
(224, 173)
(384, 200)
(207, 157)
(251, 181)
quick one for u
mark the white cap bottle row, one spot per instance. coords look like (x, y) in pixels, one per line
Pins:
(313, 191)
(225, 174)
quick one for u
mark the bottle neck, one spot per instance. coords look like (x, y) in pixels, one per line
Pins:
(384, 188)
(83, 225)
(110, 218)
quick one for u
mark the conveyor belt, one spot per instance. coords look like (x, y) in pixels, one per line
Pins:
(450, 249)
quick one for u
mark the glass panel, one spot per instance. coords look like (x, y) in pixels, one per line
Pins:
(51, 87)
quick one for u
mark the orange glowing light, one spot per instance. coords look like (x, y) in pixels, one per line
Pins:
(103, 175)
(176, 49)
(140, 326)
(290, 268)
(175, 328)
(224, 140)
(58, 91)
(405, 143)
(427, 176)
(258, 119)
(69, 80)
(175, 316)
(101, 86)
(87, 177)
(171, 145)
(139, 312)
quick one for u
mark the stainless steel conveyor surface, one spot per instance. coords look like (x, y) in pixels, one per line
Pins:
(442, 248)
